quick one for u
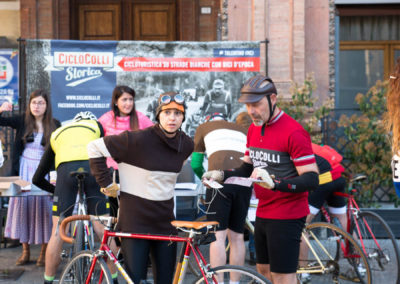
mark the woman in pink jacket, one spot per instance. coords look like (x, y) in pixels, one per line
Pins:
(122, 116)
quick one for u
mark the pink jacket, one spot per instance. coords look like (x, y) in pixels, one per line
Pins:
(114, 128)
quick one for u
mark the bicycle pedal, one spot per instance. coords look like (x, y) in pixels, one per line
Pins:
(64, 254)
(350, 278)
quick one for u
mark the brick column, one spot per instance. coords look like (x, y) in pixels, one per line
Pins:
(45, 19)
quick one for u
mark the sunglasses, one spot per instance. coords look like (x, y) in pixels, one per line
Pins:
(166, 99)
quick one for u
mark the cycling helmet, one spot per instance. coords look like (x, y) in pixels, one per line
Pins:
(215, 116)
(256, 88)
(170, 100)
(218, 84)
(84, 115)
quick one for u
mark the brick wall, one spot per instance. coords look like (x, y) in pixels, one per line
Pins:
(298, 34)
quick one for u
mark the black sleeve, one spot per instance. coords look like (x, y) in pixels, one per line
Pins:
(57, 123)
(45, 166)
(15, 121)
(306, 182)
(244, 170)
(101, 129)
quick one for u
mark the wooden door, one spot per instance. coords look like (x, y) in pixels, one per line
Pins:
(154, 22)
(99, 22)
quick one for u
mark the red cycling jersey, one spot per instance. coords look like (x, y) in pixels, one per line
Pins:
(284, 146)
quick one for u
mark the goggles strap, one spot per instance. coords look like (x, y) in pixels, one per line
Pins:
(165, 131)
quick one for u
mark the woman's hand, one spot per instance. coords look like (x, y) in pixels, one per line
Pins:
(6, 106)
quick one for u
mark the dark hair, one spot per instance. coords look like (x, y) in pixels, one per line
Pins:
(30, 122)
(117, 93)
(243, 119)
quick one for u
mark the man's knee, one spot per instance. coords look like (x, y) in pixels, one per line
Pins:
(264, 269)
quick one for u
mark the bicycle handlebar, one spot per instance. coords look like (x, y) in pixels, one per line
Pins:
(69, 219)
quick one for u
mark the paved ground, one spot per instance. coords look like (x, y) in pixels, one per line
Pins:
(30, 273)
(33, 274)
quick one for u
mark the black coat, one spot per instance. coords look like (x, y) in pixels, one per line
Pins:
(17, 122)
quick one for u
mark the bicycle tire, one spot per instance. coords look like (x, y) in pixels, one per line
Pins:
(338, 252)
(79, 244)
(73, 271)
(382, 252)
(247, 275)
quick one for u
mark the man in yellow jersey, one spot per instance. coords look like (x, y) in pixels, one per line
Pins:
(67, 151)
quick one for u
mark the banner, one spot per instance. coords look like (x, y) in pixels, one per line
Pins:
(81, 75)
(9, 89)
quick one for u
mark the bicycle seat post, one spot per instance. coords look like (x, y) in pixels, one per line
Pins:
(80, 179)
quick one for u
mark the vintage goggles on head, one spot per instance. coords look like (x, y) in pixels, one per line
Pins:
(166, 99)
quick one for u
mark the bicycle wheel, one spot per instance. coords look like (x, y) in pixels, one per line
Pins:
(243, 274)
(379, 245)
(78, 268)
(79, 244)
(333, 256)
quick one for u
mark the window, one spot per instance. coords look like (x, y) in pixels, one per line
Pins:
(369, 46)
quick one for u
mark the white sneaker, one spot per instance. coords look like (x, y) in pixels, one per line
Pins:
(305, 278)
(361, 269)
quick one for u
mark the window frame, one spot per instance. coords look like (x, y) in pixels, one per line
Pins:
(388, 47)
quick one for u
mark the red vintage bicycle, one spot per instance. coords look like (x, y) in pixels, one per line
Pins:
(91, 265)
(372, 233)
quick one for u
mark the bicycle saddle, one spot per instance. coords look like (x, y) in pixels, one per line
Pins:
(80, 173)
(193, 224)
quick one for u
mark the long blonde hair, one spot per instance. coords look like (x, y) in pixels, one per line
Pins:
(392, 116)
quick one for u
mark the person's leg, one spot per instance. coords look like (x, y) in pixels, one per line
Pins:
(284, 278)
(284, 237)
(237, 248)
(136, 254)
(237, 251)
(239, 208)
(261, 241)
(337, 204)
(53, 252)
(163, 258)
(63, 199)
(41, 259)
(217, 249)
(265, 270)
(24, 258)
(218, 210)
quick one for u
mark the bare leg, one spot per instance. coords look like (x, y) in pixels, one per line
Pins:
(237, 251)
(281, 278)
(217, 250)
(53, 250)
(342, 220)
(264, 269)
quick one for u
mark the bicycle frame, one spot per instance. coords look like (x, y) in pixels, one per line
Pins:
(352, 211)
(190, 246)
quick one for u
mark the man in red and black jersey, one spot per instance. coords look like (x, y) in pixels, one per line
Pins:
(276, 145)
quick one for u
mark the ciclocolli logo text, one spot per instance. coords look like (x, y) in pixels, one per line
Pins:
(83, 66)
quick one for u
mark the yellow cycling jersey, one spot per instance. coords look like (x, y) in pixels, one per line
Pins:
(69, 141)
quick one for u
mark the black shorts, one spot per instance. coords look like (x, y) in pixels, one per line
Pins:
(229, 206)
(325, 192)
(67, 189)
(277, 243)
